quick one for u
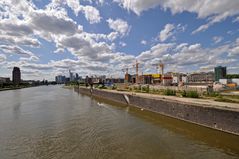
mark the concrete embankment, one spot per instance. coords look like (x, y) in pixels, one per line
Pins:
(209, 115)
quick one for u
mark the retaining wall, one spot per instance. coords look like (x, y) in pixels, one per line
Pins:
(220, 119)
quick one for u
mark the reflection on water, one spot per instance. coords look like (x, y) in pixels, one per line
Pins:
(51, 122)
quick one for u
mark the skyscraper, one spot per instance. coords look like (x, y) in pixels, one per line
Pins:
(220, 72)
(71, 76)
(60, 79)
(77, 77)
(16, 76)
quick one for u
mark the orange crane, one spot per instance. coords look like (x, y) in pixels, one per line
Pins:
(137, 71)
(126, 71)
(160, 66)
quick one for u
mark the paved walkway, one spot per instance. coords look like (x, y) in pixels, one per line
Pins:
(194, 101)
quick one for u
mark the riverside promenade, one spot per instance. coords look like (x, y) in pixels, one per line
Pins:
(212, 114)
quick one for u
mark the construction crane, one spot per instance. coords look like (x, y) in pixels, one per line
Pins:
(137, 71)
(134, 66)
(160, 67)
(126, 70)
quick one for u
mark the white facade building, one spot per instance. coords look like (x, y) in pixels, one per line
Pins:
(224, 81)
(235, 80)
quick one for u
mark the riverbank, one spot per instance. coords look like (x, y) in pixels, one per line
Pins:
(15, 88)
(216, 115)
(7, 89)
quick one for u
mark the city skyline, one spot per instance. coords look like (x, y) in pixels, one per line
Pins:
(47, 38)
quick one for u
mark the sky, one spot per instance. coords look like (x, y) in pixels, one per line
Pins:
(46, 38)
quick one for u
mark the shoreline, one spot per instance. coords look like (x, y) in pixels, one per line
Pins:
(216, 115)
(16, 88)
(8, 89)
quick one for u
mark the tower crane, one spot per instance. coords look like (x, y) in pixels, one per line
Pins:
(160, 67)
(136, 65)
(126, 70)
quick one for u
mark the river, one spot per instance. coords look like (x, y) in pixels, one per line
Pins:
(53, 122)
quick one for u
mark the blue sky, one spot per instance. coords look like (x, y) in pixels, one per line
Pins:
(95, 37)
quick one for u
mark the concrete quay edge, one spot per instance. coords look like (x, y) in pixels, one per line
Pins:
(223, 117)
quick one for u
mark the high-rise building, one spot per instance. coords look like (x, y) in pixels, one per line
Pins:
(220, 72)
(16, 76)
(60, 79)
(71, 76)
(77, 77)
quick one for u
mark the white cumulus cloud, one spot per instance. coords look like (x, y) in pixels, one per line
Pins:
(11, 49)
(214, 11)
(119, 25)
(2, 58)
(91, 14)
(144, 42)
(217, 39)
(167, 32)
(123, 44)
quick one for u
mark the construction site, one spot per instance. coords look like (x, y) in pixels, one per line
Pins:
(214, 84)
(156, 78)
(135, 75)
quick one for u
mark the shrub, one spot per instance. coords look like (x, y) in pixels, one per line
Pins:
(139, 87)
(156, 91)
(145, 89)
(213, 94)
(114, 87)
(169, 92)
(190, 94)
(101, 87)
(135, 88)
(184, 93)
(153, 90)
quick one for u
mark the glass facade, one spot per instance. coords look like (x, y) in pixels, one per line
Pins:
(220, 72)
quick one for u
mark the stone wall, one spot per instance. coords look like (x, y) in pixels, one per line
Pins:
(220, 119)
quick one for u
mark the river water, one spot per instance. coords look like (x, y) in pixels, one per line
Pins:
(53, 122)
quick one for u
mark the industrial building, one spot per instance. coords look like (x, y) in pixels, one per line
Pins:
(178, 79)
(201, 78)
(143, 79)
(167, 79)
(232, 83)
(235, 80)
(127, 78)
(151, 78)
